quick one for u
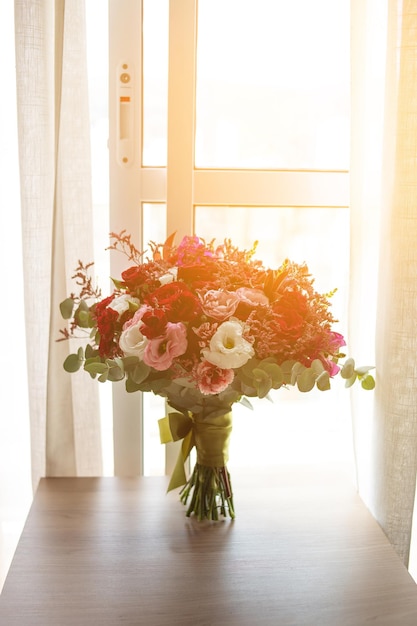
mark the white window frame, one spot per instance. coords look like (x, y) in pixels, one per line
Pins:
(180, 185)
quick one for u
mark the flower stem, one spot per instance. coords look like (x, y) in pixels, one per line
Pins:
(210, 491)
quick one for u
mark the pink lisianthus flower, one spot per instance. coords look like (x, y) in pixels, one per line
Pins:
(219, 304)
(249, 299)
(211, 379)
(252, 297)
(161, 351)
(337, 341)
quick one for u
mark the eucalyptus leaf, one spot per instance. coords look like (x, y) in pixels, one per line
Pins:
(130, 361)
(115, 373)
(323, 381)
(139, 373)
(274, 372)
(306, 380)
(131, 386)
(90, 352)
(263, 387)
(317, 367)
(297, 370)
(350, 381)
(368, 382)
(95, 367)
(66, 307)
(348, 369)
(72, 363)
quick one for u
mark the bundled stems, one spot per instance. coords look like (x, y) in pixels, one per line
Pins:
(211, 493)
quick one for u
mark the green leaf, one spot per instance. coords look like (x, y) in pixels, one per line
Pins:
(248, 390)
(368, 382)
(323, 381)
(129, 362)
(245, 401)
(82, 315)
(94, 366)
(262, 382)
(317, 367)
(348, 369)
(66, 307)
(119, 284)
(72, 363)
(306, 380)
(90, 352)
(139, 373)
(274, 372)
(350, 381)
(131, 386)
(286, 369)
(297, 370)
(115, 373)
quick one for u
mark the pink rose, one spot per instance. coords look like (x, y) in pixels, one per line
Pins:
(219, 304)
(161, 351)
(212, 379)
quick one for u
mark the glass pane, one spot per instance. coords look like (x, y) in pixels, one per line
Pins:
(155, 82)
(273, 84)
(300, 428)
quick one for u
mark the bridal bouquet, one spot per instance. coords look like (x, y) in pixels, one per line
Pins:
(205, 325)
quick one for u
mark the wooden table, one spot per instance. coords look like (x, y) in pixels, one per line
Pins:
(303, 550)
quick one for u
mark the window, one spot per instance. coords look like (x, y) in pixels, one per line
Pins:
(238, 126)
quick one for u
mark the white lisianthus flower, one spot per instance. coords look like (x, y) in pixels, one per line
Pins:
(169, 277)
(228, 349)
(132, 342)
(122, 303)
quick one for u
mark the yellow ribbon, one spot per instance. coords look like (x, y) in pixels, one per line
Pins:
(173, 427)
(210, 434)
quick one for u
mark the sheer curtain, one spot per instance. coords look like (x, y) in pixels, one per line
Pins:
(57, 227)
(384, 210)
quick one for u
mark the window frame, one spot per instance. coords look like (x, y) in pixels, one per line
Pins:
(180, 184)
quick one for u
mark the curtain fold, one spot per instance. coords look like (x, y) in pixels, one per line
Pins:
(384, 198)
(57, 227)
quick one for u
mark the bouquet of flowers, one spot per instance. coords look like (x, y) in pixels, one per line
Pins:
(205, 326)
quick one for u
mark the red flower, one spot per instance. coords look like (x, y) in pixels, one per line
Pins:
(154, 323)
(178, 303)
(291, 309)
(106, 325)
(200, 274)
(145, 276)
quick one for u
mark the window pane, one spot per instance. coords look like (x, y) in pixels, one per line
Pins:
(273, 84)
(155, 82)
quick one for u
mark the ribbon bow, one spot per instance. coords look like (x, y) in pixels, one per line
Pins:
(173, 427)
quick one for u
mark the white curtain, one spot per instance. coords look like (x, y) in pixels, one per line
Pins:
(384, 210)
(54, 157)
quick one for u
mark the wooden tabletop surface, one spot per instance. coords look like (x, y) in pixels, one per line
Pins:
(303, 550)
